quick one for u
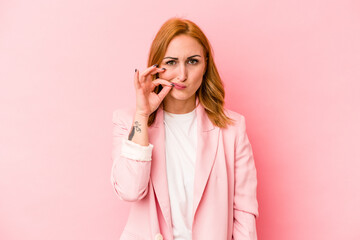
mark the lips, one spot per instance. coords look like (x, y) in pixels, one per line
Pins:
(179, 86)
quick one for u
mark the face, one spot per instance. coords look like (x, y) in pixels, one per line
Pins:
(185, 65)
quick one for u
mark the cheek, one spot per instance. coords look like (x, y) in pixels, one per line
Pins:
(199, 71)
(198, 76)
(167, 75)
(198, 83)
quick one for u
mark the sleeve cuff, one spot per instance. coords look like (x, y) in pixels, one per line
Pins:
(135, 151)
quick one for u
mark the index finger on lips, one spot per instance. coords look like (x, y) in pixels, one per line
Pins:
(159, 81)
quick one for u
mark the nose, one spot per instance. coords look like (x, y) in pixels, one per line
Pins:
(182, 74)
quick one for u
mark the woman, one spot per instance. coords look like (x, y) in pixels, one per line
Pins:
(183, 159)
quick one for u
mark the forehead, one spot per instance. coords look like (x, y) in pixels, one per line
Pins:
(183, 46)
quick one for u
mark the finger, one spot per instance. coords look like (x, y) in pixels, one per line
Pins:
(154, 70)
(146, 72)
(161, 81)
(136, 79)
(157, 70)
(164, 91)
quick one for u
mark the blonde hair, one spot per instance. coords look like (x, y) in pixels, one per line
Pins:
(211, 92)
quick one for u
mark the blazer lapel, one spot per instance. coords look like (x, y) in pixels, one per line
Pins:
(207, 143)
(158, 166)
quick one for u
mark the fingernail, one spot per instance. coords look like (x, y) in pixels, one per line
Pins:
(155, 65)
(163, 69)
(135, 69)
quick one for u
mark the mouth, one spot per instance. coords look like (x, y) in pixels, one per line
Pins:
(179, 86)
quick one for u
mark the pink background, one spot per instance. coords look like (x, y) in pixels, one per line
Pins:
(290, 67)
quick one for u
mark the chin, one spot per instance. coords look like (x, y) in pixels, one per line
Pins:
(181, 96)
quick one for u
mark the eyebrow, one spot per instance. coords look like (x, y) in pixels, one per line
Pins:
(187, 58)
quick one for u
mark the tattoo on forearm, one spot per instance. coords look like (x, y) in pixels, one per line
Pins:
(137, 128)
(131, 135)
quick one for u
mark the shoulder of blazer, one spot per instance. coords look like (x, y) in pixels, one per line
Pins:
(240, 124)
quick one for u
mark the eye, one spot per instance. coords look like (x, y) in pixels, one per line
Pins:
(167, 63)
(196, 61)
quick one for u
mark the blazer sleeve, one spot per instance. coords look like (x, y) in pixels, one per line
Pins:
(245, 200)
(131, 162)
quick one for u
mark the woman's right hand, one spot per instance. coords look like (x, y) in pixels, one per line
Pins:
(147, 101)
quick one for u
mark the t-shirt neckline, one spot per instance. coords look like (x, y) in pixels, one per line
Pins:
(180, 115)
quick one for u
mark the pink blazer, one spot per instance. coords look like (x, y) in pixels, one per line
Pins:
(224, 189)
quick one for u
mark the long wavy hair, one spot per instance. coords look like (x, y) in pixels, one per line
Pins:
(211, 92)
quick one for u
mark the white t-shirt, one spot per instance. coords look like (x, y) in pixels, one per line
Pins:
(180, 145)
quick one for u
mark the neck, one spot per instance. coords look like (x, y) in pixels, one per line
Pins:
(176, 106)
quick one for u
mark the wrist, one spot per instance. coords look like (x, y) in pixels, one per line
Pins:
(141, 116)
